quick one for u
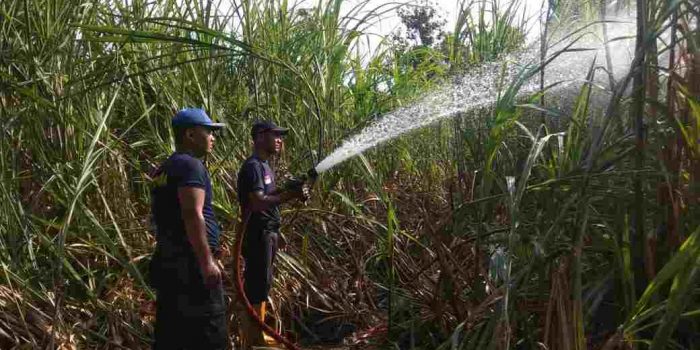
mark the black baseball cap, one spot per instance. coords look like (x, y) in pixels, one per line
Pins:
(264, 126)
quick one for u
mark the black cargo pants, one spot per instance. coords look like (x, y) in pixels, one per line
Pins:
(260, 252)
(188, 314)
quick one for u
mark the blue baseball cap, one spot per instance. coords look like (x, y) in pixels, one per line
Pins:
(189, 117)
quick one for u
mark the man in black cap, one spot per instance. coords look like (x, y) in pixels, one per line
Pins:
(190, 309)
(260, 198)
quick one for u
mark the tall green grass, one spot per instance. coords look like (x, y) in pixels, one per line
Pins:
(486, 231)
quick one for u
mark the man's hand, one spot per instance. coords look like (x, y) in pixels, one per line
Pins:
(305, 193)
(302, 193)
(211, 273)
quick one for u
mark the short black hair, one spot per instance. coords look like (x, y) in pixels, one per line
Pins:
(179, 132)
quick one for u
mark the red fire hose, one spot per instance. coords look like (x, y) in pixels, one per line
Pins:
(241, 292)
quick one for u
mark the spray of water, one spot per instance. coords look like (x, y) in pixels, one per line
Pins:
(480, 87)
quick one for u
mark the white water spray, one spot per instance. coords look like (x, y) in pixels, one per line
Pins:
(479, 87)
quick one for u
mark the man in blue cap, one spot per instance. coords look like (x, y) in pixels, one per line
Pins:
(190, 309)
(260, 198)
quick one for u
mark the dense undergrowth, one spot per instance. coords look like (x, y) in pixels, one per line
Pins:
(506, 227)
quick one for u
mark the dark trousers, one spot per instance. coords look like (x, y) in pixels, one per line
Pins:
(260, 251)
(188, 314)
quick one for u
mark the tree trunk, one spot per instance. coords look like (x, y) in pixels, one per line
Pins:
(672, 152)
(652, 94)
(637, 113)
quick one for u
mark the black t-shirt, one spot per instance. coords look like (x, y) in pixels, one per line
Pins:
(180, 170)
(257, 175)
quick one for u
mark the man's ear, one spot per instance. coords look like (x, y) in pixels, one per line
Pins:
(189, 133)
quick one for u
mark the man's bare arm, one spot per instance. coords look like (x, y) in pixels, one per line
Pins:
(191, 205)
(261, 201)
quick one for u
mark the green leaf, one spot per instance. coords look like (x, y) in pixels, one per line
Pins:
(686, 256)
